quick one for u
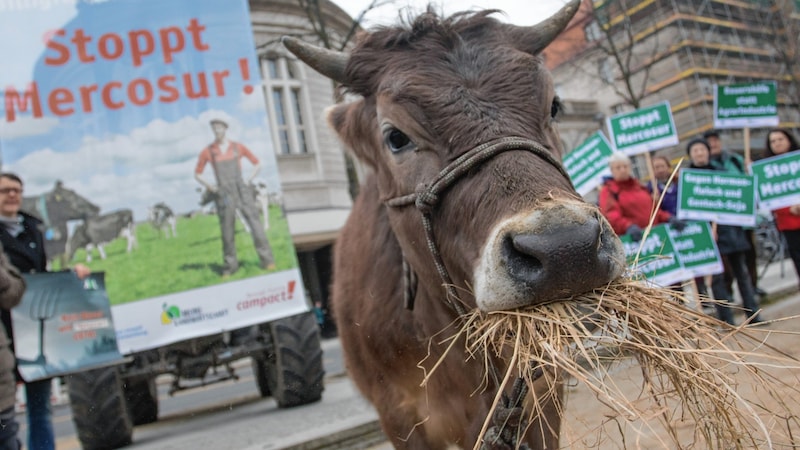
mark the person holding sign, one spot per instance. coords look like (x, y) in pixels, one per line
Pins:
(626, 204)
(23, 244)
(730, 162)
(733, 245)
(662, 170)
(780, 141)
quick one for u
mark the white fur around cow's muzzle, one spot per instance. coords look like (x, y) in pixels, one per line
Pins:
(558, 250)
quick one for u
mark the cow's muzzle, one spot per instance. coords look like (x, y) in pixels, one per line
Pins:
(558, 250)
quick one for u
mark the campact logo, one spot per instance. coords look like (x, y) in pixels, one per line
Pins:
(264, 298)
(169, 314)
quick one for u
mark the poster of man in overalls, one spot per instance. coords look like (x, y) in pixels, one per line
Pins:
(142, 126)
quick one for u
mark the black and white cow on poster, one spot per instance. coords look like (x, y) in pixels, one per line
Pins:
(163, 219)
(96, 232)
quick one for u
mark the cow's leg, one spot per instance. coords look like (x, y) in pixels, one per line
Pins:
(264, 201)
(130, 234)
(102, 251)
(546, 402)
(89, 250)
(173, 224)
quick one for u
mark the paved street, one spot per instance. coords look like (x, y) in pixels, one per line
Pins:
(232, 415)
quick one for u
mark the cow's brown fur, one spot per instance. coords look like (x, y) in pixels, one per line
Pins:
(449, 85)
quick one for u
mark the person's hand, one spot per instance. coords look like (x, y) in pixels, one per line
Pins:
(634, 232)
(794, 210)
(82, 271)
(677, 224)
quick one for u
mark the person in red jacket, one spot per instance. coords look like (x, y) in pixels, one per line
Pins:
(781, 141)
(626, 203)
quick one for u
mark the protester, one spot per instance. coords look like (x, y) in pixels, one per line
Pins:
(626, 203)
(731, 162)
(23, 244)
(11, 289)
(779, 142)
(733, 243)
(667, 190)
(668, 194)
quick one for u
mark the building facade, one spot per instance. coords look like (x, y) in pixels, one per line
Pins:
(311, 161)
(677, 50)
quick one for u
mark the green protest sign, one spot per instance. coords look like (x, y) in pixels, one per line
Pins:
(643, 130)
(778, 180)
(720, 197)
(697, 249)
(588, 163)
(746, 105)
(658, 260)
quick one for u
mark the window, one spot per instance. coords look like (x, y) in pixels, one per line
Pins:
(605, 70)
(285, 104)
(593, 32)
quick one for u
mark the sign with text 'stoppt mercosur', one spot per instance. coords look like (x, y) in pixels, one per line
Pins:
(644, 130)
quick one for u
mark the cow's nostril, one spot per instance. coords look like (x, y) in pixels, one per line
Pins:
(523, 257)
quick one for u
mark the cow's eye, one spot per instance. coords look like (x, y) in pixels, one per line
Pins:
(556, 108)
(397, 141)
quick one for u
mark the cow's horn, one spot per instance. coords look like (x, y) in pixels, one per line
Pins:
(535, 38)
(327, 62)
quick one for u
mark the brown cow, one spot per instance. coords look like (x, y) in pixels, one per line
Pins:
(455, 117)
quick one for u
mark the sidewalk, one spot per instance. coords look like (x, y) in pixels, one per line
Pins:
(362, 431)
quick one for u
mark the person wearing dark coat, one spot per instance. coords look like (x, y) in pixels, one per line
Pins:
(23, 244)
(12, 286)
(733, 247)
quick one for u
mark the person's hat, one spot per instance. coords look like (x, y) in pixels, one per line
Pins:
(711, 133)
(220, 121)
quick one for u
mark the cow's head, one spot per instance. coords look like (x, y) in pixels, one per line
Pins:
(511, 229)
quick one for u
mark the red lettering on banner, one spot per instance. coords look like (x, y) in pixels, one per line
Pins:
(81, 335)
(141, 45)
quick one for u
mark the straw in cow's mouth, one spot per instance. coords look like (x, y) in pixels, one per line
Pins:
(690, 364)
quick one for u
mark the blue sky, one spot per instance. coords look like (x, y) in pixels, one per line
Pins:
(136, 155)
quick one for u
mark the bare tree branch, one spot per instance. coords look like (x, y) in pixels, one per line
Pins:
(619, 42)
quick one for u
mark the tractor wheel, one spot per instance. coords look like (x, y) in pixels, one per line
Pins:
(142, 397)
(260, 372)
(99, 410)
(293, 371)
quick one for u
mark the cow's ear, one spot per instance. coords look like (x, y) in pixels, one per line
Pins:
(355, 127)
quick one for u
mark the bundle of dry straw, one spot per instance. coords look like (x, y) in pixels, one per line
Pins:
(690, 369)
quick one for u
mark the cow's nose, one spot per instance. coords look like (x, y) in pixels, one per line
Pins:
(551, 253)
(558, 259)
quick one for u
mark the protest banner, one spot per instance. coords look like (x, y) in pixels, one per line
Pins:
(655, 258)
(778, 180)
(721, 197)
(588, 163)
(746, 105)
(63, 325)
(697, 249)
(643, 130)
(109, 111)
